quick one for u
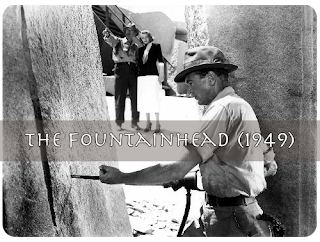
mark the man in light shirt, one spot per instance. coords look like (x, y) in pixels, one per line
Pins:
(233, 174)
(125, 57)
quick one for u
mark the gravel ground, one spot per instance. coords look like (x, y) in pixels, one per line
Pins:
(158, 211)
(155, 210)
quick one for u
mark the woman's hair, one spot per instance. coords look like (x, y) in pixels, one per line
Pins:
(147, 32)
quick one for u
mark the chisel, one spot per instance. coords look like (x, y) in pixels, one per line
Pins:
(85, 177)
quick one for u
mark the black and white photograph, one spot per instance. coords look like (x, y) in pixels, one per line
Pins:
(159, 120)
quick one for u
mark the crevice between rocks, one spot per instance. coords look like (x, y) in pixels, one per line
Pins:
(38, 116)
(4, 217)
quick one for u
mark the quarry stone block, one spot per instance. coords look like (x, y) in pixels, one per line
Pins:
(275, 49)
(55, 70)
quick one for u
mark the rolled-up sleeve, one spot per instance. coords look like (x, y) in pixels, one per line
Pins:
(213, 132)
(112, 40)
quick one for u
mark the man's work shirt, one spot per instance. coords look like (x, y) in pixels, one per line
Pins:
(123, 50)
(228, 171)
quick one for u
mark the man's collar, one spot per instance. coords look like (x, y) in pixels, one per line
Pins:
(225, 92)
(126, 40)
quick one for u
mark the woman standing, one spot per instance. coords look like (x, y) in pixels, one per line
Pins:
(150, 77)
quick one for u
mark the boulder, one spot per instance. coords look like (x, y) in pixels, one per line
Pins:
(274, 47)
(25, 203)
(52, 73)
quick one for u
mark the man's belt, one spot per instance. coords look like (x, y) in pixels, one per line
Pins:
(228, 201)
(125, 63)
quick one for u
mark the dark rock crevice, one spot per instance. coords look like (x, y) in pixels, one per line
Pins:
(37, 111)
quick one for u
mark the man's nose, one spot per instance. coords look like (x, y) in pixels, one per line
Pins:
(189, 91)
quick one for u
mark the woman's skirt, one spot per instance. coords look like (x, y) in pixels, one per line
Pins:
(149, 94)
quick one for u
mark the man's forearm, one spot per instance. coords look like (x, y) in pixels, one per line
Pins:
(163, 172)
(109, 38)
(156, 174)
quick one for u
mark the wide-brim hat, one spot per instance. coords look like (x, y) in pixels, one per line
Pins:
(131, 26)
(204, 57)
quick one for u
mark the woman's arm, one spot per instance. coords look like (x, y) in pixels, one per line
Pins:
(160, 64)
(159, 53)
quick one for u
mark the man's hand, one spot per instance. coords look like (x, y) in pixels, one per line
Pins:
(270, 168)
(106, 33)
(175, 185)
(110, 175)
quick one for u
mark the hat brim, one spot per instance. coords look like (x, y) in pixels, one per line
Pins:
(227, 67)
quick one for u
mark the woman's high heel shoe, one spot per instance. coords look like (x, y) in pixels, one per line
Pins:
(148, 128)
(157, 130)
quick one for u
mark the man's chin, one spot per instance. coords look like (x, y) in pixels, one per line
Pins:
(199, 101)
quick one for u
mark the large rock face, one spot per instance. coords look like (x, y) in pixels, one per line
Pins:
(179, 48)
(52, 71)
(274, 47)
(26, 208)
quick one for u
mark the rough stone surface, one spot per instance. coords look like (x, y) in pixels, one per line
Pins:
(64, 75)
(178, 50)
(196, 26)
(25, 207)
(274, 47)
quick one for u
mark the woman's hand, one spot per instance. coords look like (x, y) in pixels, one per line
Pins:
(110, 175)
(160, 79)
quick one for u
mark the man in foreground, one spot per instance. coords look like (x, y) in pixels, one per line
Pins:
(232, 176)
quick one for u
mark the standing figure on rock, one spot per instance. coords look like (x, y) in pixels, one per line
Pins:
(150, 77)
(125, 57)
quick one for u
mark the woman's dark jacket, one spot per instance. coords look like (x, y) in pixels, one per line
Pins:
(150, 67)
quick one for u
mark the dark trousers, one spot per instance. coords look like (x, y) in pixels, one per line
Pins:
(125, 79)
(229, 221)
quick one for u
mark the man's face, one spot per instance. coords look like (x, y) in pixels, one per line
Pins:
(201, 87)
(129, 33)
